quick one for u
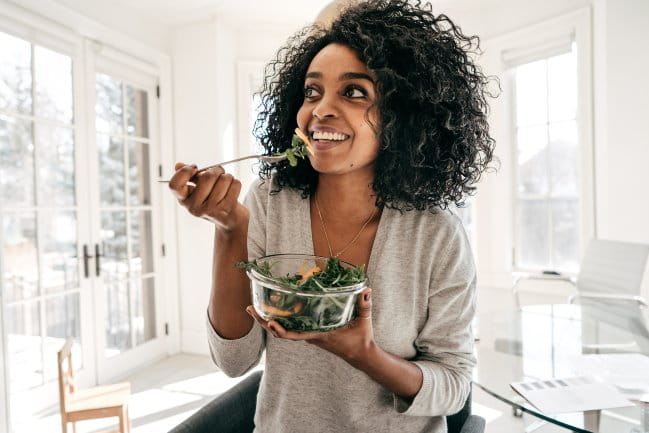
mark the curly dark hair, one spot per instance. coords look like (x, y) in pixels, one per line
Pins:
(434, 140)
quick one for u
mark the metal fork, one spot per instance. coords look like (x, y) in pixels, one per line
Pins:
(266, 158)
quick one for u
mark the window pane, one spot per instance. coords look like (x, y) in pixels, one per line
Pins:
(55, 162)
(139, 175)
(531, 94)
(534, 242)
(562, 79)
(16, 163)
(59, 262)
(109, 105)
(118, 328)
(563, 158)
(114, 262)
(141, 243)
(24, 346)
(565, 234)
(532, 144)
(15, 74)
(62, 320)
(53, 80)
(112, 185)
(144, 318)
(137, 112)
(466, 216)
(19, 256)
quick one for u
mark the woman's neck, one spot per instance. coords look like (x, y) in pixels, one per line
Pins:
(346, 198)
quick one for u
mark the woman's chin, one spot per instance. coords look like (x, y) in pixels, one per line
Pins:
(334, 167)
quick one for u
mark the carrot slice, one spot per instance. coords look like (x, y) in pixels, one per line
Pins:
(273, 311)
(308, 274)
(304, 138)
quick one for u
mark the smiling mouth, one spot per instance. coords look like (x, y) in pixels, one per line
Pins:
(328, 136)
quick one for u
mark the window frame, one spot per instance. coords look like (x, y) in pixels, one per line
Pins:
(538, 42)
(547, 197)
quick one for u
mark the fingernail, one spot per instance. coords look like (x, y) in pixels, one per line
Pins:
(367, 296)
(248, 311)
(272, 328)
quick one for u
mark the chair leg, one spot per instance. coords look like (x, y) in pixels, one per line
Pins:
(64, 424)
(128, 421)
(74, 427)
(123, 420)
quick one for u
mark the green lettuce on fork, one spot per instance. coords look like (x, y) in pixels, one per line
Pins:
(300, 148)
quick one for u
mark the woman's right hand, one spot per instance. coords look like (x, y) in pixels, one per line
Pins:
(214, 198)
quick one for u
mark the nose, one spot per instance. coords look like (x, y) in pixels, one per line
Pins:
(325, 108)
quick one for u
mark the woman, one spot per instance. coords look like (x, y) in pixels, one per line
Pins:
(395, 111)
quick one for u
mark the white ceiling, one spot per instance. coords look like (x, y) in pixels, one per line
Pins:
(177, 12)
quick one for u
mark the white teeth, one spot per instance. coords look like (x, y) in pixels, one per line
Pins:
(319, 135)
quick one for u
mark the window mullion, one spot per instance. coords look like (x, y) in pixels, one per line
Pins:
(129, 249)
(550, 260)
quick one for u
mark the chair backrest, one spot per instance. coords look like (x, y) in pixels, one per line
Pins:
(66, 373)
(612, 267)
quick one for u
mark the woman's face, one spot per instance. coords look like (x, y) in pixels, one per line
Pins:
(338, 92)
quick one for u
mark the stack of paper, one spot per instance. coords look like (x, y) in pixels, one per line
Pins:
(571, 394)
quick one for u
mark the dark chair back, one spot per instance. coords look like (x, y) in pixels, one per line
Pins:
(456, 421)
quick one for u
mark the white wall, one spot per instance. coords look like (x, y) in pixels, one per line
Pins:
(117, 17)
(621, 119)
(497, 17)
(205, 57)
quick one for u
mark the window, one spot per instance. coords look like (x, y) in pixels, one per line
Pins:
(38, 209)
(127, 263)
(547, 181)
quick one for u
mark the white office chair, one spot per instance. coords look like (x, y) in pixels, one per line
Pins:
(610, 270)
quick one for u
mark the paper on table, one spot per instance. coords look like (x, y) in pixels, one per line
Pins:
(571, 394)
(629, 372)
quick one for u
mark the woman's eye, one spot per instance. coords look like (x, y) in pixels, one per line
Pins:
(310, 92)
(355, 92)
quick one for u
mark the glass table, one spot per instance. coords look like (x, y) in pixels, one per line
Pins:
(544, 342)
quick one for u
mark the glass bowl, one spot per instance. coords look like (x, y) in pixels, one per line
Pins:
(300, 308)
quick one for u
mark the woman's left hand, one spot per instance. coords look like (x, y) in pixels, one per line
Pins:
(351, 342)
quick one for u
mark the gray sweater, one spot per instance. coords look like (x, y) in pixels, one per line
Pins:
(423, 278)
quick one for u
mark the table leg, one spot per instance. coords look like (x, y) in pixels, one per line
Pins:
(591, 420)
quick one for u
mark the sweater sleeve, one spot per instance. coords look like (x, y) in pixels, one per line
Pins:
(238, 356)
(445, 343)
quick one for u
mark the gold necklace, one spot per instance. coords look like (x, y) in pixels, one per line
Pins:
(324, 229)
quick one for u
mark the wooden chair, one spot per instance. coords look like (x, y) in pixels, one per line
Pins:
(83, 404)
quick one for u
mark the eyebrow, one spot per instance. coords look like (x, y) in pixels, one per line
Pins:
(345, 76)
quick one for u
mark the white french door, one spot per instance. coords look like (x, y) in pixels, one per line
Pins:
(79, 232)
(126, 245)
(43, 217)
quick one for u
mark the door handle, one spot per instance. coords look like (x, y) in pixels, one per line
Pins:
(86, 257)
(97, 258)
